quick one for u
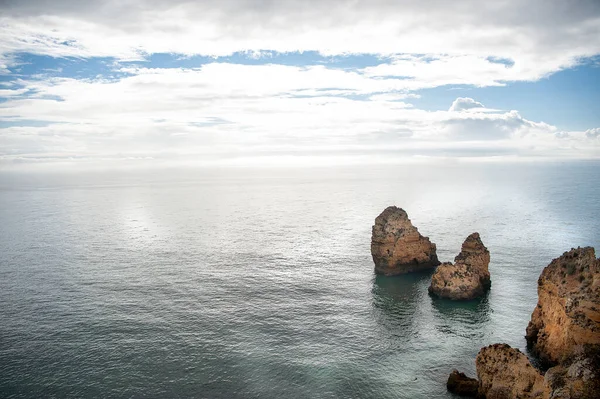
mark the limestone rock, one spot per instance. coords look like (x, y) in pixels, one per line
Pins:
(397, 246)
(506, 373)
(468, 277)
(579, 378)
(564, 330)
(567, 315)
(462, 385)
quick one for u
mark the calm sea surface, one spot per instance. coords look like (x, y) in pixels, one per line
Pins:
(254, 283)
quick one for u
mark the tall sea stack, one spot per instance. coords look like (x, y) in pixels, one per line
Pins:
(397, 246)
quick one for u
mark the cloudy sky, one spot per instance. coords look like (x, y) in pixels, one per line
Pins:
(234, 82)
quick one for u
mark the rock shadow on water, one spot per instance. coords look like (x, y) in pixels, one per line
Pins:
(467, 318)
(398, 299)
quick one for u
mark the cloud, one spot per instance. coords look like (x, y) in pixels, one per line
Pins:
(224, 112)
(467, 69)
(593, 133)
(464, 103)
(538, 37)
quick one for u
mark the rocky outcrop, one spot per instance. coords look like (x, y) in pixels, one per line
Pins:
(506, 373)
(567, 316)
(564, 330)
(462, 385)
(468, 277)
(579, 378)
(397, 246)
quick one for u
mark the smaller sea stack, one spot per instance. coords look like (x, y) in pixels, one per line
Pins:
(468, 277)
(397, 246)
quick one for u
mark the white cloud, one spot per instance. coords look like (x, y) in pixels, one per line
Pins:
(464, 103)
(226, 112)
(468, 69)
(593, 133)
(539, 37)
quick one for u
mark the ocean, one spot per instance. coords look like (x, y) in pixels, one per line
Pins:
(258, 283)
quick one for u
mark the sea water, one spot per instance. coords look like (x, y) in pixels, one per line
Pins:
(259, 283)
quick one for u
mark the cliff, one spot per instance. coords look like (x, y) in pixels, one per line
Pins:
(564, 331)
(567, 315)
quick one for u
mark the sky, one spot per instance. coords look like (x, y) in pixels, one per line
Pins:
(133, 83)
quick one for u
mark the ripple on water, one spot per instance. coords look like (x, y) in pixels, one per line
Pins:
(239, 285)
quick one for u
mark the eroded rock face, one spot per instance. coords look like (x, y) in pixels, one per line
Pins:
(577, 379)
(468, 277)
(462, 385)
(506, 373)
(567, 315)
(564, 330)
(397, 246)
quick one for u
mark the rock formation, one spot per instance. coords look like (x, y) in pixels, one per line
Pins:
(579, 378)
(460, 384)
(397, 246)
(505, 373)
(564, 330)
(567, 315)
(468, 277)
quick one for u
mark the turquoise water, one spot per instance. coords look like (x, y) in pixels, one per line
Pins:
(257, 283)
